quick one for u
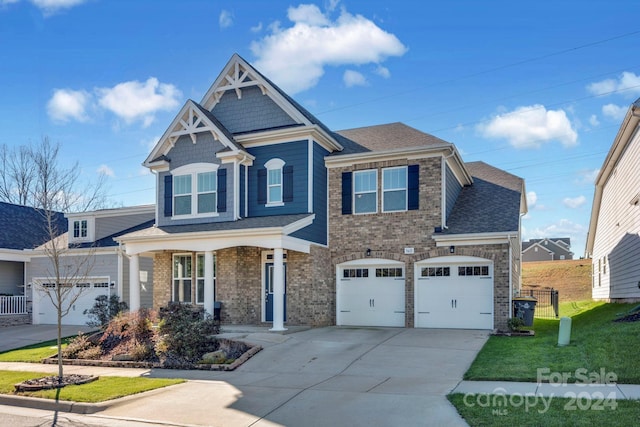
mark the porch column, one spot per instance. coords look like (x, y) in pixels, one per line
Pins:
(278, 290)
(208, 282)
(134, 283)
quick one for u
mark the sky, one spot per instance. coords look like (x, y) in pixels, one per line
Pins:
(538, 89)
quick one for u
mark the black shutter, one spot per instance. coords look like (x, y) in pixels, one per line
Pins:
(168, 195)
(222, 190)
(287, 184)
(262, 186)
(346, 193)
(413, 197)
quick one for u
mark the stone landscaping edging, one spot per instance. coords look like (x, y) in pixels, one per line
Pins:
(53, 360)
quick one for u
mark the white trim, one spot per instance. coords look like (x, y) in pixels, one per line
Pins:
(91, 229)
(353, 191)
(406, 189)
(410, 153)
(310, 175)
(131, 210)
(236, 190)
(453, 259)
(246, 191)
(371, 261)
(193, 170)
(294, 134)
(264, 262)
(275, 164)
(472, 239)
(443, 186)
(16, 255)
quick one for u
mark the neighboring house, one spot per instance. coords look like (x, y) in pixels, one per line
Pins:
(260, 206)
(90, 239)
(22, 228)
(548, 249)
(613, 242)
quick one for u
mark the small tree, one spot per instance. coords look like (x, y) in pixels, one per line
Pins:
(33, 176)
(104, 309)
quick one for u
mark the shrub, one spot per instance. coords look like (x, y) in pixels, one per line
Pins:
(186, 333)
(91, 353)
(104, 309)
(515, 324)
(127, 331)
(75, 346)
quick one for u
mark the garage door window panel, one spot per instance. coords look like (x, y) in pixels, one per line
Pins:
(355, 273)
(365, 191)
(435, 272)
(475, 270)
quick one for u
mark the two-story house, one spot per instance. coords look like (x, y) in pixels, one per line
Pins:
(91, 262)
(260, 206)
(547, 249)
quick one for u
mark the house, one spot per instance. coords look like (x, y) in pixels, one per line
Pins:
(22, 228)
(262, 207)
(613, 242)
(89, 244)
(547, 249)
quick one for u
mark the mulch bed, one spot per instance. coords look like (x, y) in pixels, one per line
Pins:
(47, 383)
(633, 317)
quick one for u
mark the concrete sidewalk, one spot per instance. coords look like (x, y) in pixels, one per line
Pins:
(318, 377)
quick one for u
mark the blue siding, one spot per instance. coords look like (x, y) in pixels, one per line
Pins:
(293, 154)
(254, 111)
(453, 190)
(317, 232)
(186, 152)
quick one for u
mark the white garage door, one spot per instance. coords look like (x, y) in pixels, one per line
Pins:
(454, 292)
(371, 293)
(45, 312)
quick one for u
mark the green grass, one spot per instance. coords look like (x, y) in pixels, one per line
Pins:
(105, 388)
(596, 343)
(33, 353)
(561, 412)
(573, 308)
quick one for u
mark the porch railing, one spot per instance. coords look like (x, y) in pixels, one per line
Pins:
(13, 305)
(547, 305)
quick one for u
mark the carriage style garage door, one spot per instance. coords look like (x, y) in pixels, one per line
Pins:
(45, 312)
(370, 292)
(454, 292)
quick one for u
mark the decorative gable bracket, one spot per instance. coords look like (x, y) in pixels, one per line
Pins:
(236, 78)
(191, 123)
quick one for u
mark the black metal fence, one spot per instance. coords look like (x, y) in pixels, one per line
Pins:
(547, 305)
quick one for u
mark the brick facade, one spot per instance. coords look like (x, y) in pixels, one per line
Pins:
(387, 234)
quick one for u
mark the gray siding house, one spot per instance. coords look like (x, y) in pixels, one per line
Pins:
(262, 207)
(548, 249)
(90, 243)
(613, 242)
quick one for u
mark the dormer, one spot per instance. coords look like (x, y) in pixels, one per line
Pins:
(82, 228)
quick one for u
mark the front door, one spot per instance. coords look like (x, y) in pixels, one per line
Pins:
(268, 292)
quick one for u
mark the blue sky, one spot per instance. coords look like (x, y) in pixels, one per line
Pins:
(536, 88)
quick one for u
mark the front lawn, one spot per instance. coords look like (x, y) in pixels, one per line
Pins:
(105, 388)
(596, 343)
(33, 353)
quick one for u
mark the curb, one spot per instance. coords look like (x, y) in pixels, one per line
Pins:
(81, 408)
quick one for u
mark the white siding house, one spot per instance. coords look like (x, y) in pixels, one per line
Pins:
(613, 242)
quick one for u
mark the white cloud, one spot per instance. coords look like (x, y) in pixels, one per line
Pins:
(67, 104)
(225, 19)
(561, 228)
(614, 112)
(136, 100)
(105, 170)
(353, 78)
(48, 7)
(283, 55)
(575, 202)
(593, 120)
(588, 176)
(532, 198)
(530, 127)
(383, 72)
(628, 84)
(257, 28)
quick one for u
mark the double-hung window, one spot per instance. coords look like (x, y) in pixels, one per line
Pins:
(181, 291)
(365, 191)
(394, 189)
(274, 182)
(195, 190)
(80, 229)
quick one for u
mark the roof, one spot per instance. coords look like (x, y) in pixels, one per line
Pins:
(472, 212)
(618, 148)
(23, 227)
(390, 136)
(109, 241)
(241, 224)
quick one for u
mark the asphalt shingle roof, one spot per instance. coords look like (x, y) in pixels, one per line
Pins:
(23, 227)
(241, 224)
(390, 136)
(491, 204)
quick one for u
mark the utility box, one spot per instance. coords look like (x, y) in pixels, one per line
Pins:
(217, 308)
(524, 308)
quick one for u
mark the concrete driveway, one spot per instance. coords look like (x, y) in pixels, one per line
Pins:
(332, 376)
(20, 336)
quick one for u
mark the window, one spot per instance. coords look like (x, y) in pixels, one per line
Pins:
(365, 191)
(200, 277)
(388, 272)
(195, 190)
(478, 270)
(394, 189)
(80, 229)
(181, 291)
(435, 272)
(274, 182)
(355, 272)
